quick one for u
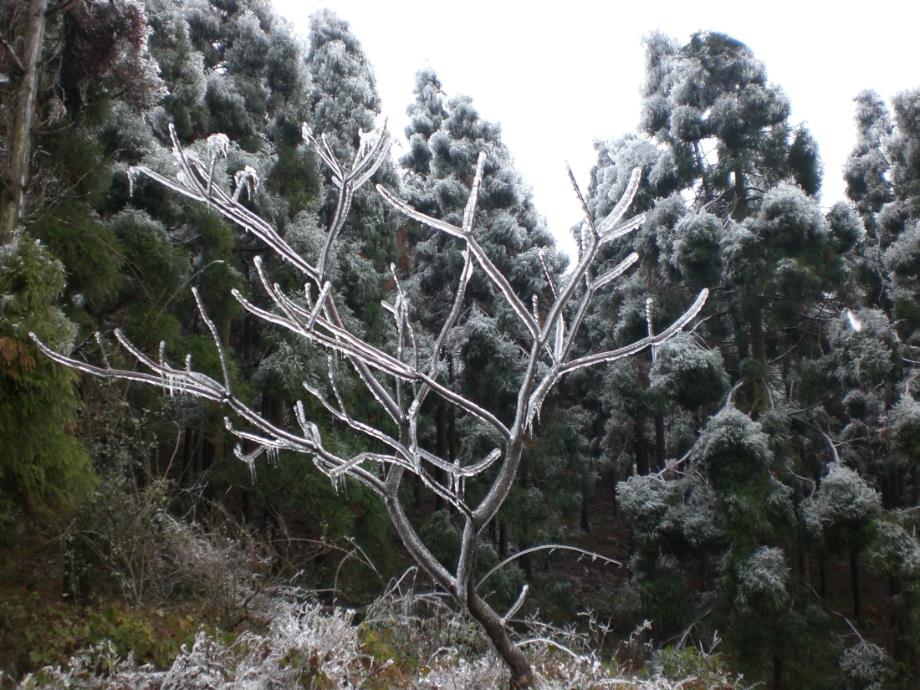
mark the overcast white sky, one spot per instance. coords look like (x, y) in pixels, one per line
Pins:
(557, 76)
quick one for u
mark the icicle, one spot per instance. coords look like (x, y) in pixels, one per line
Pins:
(105, 358)
(271, 452)
(855, 323)
(248, 460)
(535, 306)
(457, 360)
(246, 178)
(133, 173)
(535, 404)
(649, 306)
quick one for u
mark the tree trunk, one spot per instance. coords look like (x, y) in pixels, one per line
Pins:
(822, 576)
(704, 175)
(741, 339)
(777, 672)
(854, 579)
(585, 515)
(740, 211)
(759, 353)
(20, 136)
(659, 442)
(514, 658)
(640, 447)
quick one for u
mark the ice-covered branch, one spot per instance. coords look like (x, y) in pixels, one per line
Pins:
(195, 181)
(550, 380)
(466, 234)
(267, 437)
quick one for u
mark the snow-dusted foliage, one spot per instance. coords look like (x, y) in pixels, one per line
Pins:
(905, 425)
(304, 645)
(843, 502)
(645, 500)
(733, 449)
(762, 580)
(865, 349)
(308, 646)
(894, 550)
(866, 666)
(686, 372)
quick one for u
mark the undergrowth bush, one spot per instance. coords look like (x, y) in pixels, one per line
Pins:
(408, 639)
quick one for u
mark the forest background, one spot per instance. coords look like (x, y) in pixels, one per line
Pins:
(758, 478)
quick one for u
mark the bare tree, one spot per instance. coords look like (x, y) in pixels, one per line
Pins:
(399, 378)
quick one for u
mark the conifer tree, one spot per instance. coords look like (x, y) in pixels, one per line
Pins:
(745, 218)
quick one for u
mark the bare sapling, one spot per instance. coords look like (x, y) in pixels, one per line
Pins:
(399, 377)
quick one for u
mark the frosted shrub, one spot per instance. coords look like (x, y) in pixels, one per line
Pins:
(762, 581)
(304, 645)
(865, 666)
(844, 501)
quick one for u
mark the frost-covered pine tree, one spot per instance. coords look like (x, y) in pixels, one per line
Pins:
(867, 166)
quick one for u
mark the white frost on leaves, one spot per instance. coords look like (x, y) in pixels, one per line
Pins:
(866, 666)
(218, 146)
(247, 179)
(762, 581)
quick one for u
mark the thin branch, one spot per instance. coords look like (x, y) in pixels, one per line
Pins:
(548, 547)
(11, 52)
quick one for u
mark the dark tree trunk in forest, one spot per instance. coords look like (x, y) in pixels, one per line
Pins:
(659, 442)
(854, 580)
(759, 354)
(822, 576)
(704, 176)
(740, 210)
(640, 447)
(777, 672)
(20, 137)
